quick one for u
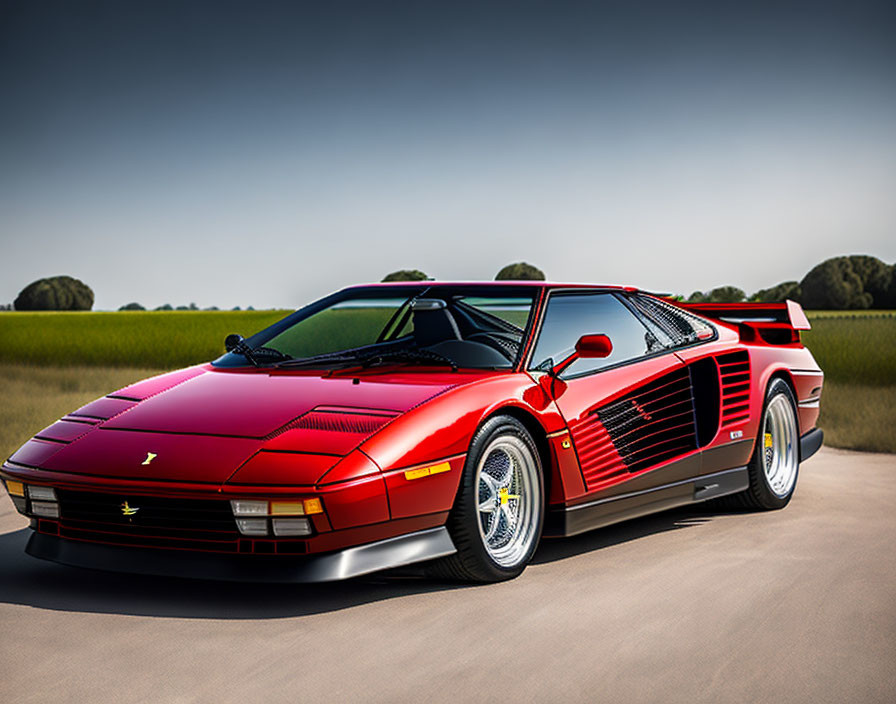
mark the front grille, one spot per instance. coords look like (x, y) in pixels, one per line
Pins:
(190, 524)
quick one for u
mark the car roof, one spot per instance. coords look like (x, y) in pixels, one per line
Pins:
(512, 283)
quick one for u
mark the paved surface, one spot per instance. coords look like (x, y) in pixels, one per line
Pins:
(792, 606)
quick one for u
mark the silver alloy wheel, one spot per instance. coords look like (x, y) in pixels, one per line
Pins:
(508, 499)
(780, 444)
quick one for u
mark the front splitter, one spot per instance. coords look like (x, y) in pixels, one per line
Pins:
(351, 562)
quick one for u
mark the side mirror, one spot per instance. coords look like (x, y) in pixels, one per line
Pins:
(232, 341)
(594, 347)
(588, 347)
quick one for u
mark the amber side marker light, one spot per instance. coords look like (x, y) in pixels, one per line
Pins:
(427, 471)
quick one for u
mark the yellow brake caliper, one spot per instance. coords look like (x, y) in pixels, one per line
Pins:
(505, 495)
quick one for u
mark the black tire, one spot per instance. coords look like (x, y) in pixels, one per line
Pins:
(759, 495)
(473, 562)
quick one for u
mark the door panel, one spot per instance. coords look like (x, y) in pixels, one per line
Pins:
(625, 421)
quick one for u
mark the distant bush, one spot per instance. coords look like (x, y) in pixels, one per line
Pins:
(776, 294)
(406, 275)
(132, 306)
(55, 293)
(520, 271)
(721, 294)
(164, 306)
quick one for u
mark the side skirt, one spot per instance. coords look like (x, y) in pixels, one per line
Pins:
(604, 512)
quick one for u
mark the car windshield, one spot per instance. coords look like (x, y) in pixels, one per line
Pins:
(458, 326)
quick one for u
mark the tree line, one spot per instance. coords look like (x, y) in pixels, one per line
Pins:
(852, 282)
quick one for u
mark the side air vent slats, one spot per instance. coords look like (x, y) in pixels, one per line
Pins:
(734, 374)
(654, 424)
(650, 425)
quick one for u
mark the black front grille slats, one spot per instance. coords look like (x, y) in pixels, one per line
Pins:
(197, 524)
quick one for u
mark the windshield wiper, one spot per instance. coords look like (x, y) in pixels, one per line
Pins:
(410, 355)
(330, 358)
(256, 355)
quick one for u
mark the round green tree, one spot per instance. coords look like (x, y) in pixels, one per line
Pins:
(406, 275)
(55, 293)
(520, 271)
(835, 285)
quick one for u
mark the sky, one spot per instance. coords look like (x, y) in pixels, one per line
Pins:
(268, 153)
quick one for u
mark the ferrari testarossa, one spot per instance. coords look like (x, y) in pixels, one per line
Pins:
(453, 424)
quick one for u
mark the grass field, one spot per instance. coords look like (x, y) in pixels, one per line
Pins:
(854, 349)
(158, 339)
(51, 363)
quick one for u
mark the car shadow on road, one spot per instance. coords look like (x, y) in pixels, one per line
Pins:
(31, 582)
(677, 519)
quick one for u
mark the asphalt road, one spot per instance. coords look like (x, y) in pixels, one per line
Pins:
(797, 605)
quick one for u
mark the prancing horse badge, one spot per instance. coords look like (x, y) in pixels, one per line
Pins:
(150, 456)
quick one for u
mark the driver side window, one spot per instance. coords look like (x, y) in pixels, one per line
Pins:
(569, 316)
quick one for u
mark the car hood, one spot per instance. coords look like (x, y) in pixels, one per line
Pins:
(210, 426)
(257, 404)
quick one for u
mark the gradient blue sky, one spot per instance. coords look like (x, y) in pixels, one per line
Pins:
(260, 153)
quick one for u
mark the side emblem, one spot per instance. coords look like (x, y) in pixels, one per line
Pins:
(150, 456)
(128, 510)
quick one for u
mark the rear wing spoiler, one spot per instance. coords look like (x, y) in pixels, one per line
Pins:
(773, 323)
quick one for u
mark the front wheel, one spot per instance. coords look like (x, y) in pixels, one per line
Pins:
(497, 517)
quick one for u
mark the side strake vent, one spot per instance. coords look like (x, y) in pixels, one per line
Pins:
(734, 373)
(654, 423)
(597, 455)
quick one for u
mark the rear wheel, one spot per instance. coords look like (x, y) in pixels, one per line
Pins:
(497, 517)
(776, 460)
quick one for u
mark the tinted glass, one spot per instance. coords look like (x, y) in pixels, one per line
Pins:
(346, 325)
(473, 326)
(568, 317)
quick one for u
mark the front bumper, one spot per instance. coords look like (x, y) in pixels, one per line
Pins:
(403, 550)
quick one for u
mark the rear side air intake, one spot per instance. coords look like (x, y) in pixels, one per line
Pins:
(734, 373)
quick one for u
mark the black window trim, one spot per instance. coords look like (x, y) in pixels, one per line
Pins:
(622, 297)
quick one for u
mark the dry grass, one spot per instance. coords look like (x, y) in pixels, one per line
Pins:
(859, 417)
(33, 397)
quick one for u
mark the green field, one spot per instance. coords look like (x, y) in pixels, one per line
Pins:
(855, 349)
(51, 363)
(157, 339)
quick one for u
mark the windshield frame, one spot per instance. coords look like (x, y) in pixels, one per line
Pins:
(230, 360)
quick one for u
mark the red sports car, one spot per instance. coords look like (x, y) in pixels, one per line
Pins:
(449, 423)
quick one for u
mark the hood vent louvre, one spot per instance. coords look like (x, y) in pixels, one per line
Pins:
(358, 421)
